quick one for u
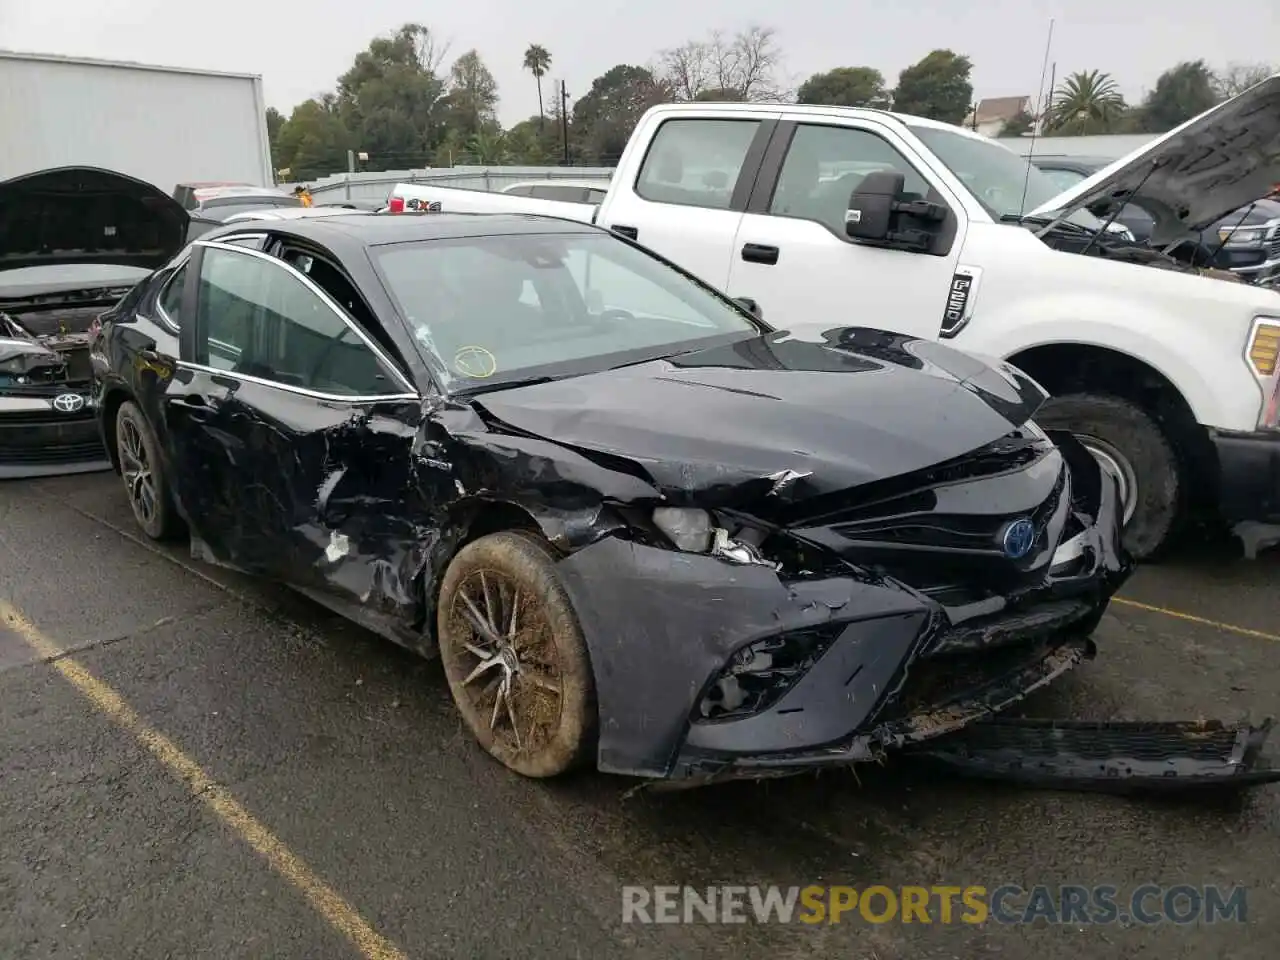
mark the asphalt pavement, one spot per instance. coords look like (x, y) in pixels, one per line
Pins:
(193, 765)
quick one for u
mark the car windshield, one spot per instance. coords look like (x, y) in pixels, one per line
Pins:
(498, 309)
(996, 175)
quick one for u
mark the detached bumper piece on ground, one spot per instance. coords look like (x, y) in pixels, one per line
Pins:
(1110, 757)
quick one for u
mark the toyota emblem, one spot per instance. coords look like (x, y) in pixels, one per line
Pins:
(68, 402)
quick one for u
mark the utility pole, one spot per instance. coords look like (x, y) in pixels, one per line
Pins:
(564, 120)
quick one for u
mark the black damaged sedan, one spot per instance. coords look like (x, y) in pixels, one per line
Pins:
(640, 527)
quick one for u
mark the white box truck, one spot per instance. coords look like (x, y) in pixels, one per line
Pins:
(161, 125)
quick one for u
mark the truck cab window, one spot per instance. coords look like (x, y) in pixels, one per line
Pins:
(825, 164)
(696, 162)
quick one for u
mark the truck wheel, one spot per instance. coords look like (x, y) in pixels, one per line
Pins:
(1131, 444)
(515, 656)
(144, 477)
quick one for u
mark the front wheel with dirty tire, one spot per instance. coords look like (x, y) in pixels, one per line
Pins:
(515, 656)
(145, 481)
(1130, 443)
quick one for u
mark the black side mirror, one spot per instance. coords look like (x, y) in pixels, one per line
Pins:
(749, 305)
(870, 212)
(882, 213)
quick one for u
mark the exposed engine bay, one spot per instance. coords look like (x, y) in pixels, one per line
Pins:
(44, 338)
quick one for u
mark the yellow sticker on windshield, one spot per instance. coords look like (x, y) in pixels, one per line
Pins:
(473, 361)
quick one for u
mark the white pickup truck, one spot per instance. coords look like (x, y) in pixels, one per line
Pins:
(824, 217)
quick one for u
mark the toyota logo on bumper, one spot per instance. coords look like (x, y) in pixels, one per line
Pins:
(68, 402)
(1018, 539)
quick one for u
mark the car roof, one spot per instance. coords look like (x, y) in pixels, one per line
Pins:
(1064, 159)
(356, 228)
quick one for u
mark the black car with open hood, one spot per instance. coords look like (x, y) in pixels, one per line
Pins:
(641, 528)
(73, 241)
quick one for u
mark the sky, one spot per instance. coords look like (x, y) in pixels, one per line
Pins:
(300, 49)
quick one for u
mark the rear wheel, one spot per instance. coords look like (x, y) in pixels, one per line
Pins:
(515, 656)
(144, 476)
(1131, 444)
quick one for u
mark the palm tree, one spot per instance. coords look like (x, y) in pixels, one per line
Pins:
(1088, 101)
(537, 60)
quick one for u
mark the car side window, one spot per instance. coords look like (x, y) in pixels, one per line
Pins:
(823, 167)
(551, 192)
(696, 162)
(258, 318)
(170, 298)
(1062, 179)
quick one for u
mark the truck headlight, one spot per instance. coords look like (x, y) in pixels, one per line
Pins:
(1264, 359)
(1243, 236)
(688, 528)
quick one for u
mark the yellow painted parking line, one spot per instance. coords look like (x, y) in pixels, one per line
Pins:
(337, 912)
(1204, 621)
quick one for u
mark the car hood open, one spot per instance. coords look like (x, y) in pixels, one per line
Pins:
(75, 215)
(1197, 173)
(866, 405)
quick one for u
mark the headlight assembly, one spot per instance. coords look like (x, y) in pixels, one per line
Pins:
(696, 531)
(688, 528)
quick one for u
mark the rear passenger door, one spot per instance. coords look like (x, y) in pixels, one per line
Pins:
(688, 198)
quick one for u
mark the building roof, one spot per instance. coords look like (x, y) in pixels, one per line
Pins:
(1001, 108)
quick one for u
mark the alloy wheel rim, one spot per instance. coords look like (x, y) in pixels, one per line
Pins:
(136, 470)
(1117, 464)
(513, 680)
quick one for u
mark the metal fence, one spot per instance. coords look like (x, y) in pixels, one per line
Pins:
(370, 187)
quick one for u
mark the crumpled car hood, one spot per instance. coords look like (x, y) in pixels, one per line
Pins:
(865, 405)
(1197, 173)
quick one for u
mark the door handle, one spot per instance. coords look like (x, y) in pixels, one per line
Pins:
(149, 356)
(631, 233)
(194, 400)
(759, 253)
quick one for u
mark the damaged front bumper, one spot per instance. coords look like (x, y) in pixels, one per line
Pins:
(708, 670)
(1110, 757)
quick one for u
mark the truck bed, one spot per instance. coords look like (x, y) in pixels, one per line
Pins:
(427, 198)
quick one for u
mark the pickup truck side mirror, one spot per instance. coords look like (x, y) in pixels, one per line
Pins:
(749, 305)
(881, 213)
(871, 205)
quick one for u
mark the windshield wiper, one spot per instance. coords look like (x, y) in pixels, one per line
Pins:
(1045, 221)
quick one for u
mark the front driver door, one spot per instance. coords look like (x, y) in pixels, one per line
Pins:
(792, 256)
(297, 428)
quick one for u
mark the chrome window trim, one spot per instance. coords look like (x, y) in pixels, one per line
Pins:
(303, 391)
(327, 300)
(162, 314)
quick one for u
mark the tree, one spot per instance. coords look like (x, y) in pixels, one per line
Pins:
(846, 87)
(1019, 125)
(745, 63)
(537, 60)
(1181, 92)
(489, 147)
(275, 120)
(387, 99)
(1086, 102)
(605, 115)
(533, 142)
(937, 87)
(472, 100)
(314, 141)
(1239, 77)
(720, 95)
